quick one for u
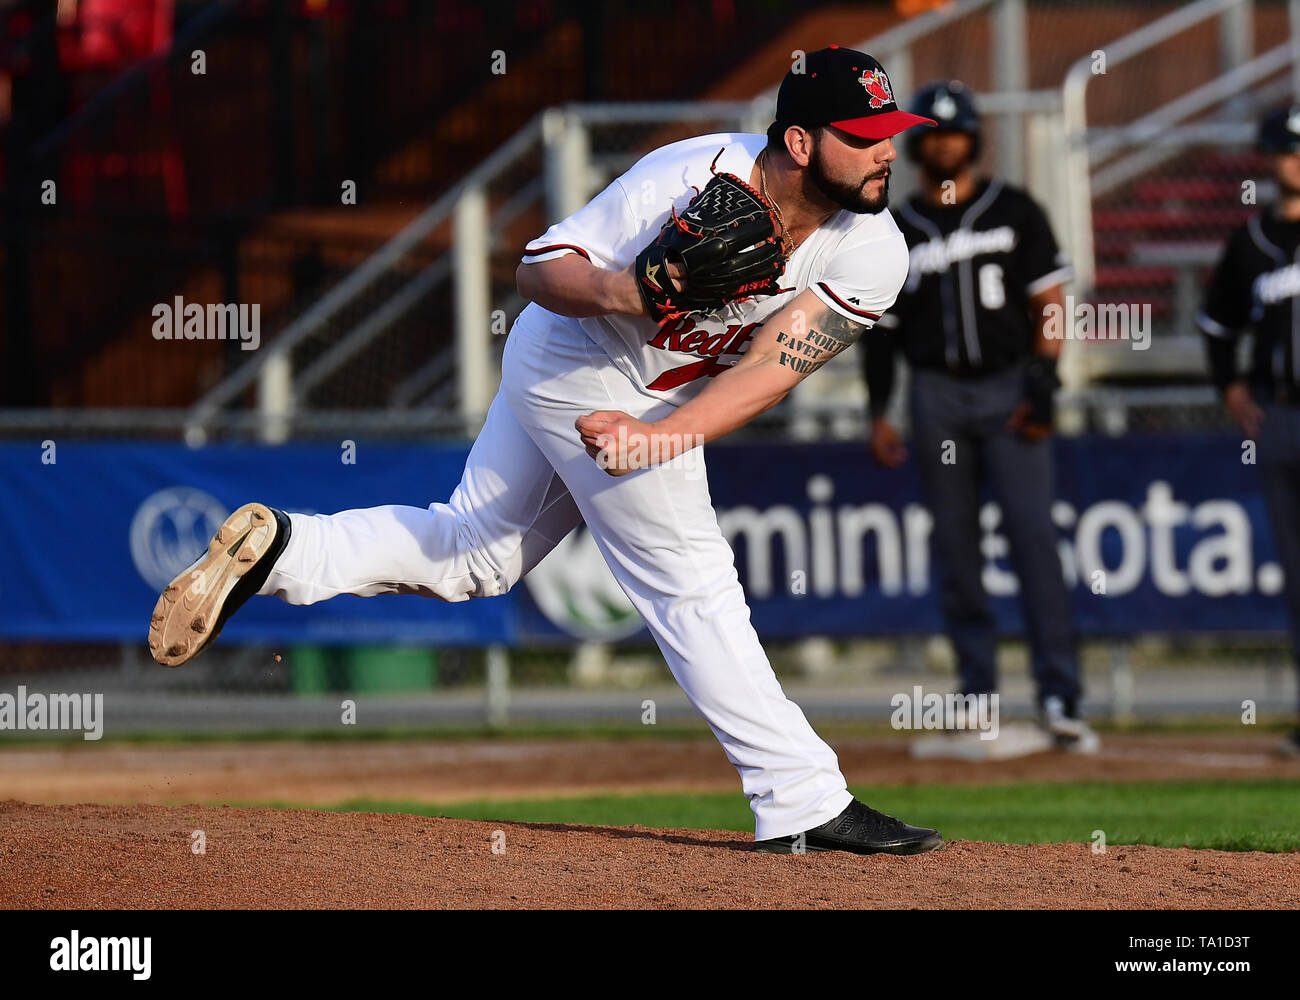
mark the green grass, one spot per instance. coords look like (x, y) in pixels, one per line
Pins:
(1235, 816)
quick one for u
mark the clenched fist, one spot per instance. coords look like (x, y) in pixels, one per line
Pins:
(618, 442)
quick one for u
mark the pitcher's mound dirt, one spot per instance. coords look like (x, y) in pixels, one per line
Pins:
(141, 857)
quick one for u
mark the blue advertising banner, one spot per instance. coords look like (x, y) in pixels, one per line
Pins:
(92, 538)
(1156, 533)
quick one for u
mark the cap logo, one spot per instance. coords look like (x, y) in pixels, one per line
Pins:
(877, 85)
(1293, 122)
(945, 107)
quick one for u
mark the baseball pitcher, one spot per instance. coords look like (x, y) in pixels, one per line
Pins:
(689, 296)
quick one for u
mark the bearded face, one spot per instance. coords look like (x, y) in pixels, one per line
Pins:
(847, 186)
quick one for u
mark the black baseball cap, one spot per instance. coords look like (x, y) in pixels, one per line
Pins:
(845, 88)
(1279, 132)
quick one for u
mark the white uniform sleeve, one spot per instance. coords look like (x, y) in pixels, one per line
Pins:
(617, 224)
(864, 276)
(603, 231)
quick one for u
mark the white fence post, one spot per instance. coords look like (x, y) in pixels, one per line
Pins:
(1045, 140)
(898, 64)
(1123, 686)
(567, 162)
(1010, 75)
(1236, 35)
(759, 116)
(1078, 200)
(471, 244)
(1237, 47)
(1294, 8)
(498, 686)
(275, 398)
(1044, 153)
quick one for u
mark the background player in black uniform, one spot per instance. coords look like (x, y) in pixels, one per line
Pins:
(969, 321)
(1257, 286)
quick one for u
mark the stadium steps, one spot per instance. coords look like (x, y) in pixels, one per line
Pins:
(291, 257)
(1156, 240)
(287, 259)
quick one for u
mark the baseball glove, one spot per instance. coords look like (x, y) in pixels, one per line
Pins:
(728, 243)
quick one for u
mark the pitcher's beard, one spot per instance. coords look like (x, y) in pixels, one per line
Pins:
(853, 198)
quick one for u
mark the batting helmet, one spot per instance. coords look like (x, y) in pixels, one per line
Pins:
(1279, 131)
(950, 104)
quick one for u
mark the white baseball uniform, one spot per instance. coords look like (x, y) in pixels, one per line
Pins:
(528, 480)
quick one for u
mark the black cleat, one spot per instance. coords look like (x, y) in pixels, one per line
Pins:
(861, 830)
(194, 607)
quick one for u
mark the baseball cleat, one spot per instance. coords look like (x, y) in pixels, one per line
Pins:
(190, 613)
(1062, 723)
(860, 830)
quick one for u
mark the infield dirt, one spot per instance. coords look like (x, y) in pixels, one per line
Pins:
(57, 853)
(439, 771)
(140, 857)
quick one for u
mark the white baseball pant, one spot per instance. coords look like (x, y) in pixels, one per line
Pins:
(527, 482)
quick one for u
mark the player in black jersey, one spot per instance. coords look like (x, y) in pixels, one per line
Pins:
(970, 322)
(1256, 286)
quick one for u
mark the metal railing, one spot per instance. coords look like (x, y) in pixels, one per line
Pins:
(1101, 159)
(573, 161)
(1086, 146)
(572, 173)
(560, 137)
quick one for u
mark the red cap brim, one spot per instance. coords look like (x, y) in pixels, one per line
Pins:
(882, 126)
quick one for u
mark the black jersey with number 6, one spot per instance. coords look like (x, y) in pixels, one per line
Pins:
(973, 267)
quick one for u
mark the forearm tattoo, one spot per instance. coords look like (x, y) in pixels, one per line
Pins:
(815, 339)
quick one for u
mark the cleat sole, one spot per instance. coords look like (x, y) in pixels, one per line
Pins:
(183, 618)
